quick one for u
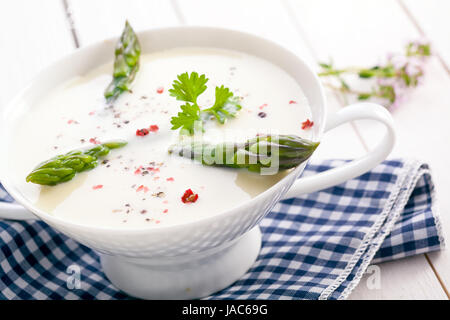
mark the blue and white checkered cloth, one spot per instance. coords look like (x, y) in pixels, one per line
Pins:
(317, 246)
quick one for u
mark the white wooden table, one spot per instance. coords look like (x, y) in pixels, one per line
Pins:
(35, 33)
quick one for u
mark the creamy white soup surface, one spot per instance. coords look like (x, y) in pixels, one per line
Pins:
(141, 185)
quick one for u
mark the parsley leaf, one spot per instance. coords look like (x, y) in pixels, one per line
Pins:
(225, 106)
(187, 118)
(188, 88)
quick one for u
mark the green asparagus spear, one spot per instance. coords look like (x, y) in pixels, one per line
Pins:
(63, 168)
(269, 151)
(126, 64)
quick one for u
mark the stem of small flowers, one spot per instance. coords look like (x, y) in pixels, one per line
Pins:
(390, 79)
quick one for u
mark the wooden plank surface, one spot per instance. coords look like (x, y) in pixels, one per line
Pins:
(30, 40)
(410, 278)
(359, 33)
(352, 32)
(433, 101)
(431, 17)
(101, 19)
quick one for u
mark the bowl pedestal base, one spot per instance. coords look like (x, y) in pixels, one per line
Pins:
(186, 277)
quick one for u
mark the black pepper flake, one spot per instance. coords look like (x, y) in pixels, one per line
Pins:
(143, 97)
(82, 140)
(126, 122)
(262, 114)
(145, 172)
(159, 194)
(105, 161)
(143, 211)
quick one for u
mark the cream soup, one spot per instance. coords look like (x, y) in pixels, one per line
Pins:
(141, 185)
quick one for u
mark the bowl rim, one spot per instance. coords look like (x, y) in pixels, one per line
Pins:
(58, 221)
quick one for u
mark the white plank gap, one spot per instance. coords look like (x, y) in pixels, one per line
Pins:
(71, 22)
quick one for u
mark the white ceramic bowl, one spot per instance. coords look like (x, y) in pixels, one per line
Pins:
(192, 259)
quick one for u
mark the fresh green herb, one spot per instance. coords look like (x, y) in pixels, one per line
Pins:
(187, 88)
(190, 113)
(398, 73)
(225, 106)
(254, 154)
(63, 168)
(126, 64)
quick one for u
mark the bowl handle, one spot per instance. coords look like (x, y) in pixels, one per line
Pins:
(15, 212)
(356, 167)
